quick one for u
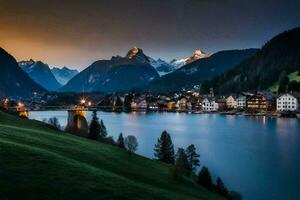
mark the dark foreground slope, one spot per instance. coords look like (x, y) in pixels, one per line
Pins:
(40, 163)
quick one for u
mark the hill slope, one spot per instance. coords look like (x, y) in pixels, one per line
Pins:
(117, 74)
(40, 163)
(280, 54)
(199, 70)
(13, 80)
(41, 74)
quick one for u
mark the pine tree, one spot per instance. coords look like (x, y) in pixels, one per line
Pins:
(120, 141)
(220, 188)
(181, 166)
(95, 127)
(164, 149)
(103, 131)
(193, 157)
(204, 178)
(283, 82)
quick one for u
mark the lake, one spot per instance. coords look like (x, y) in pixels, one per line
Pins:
(256, 156)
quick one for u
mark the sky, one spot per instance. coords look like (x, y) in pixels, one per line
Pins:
(75, 33)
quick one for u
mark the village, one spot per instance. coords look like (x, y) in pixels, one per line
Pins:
(246, 103)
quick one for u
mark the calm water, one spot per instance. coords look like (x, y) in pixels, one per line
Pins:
(257, 156)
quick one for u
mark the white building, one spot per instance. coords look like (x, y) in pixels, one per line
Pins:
(231, 102)
(241, 101)
(288, 102)
(209, 105)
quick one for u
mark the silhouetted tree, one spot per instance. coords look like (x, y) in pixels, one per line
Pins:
(181, 166)
(294, 86)
(95, 127)
(220, 188)
(234, 196)
(204, 178)
(103, 131)
(164, 149)
(54, 122)
(120, 141)
(193, 157)
(131, 143)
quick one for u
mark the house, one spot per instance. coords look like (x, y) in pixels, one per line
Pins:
(241, 101)
(288, 102)
(209, 105)
(181, 104)
(257, 102)
(231, 102)
(221, 103)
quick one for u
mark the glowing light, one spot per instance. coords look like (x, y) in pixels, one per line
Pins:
(20, 104)
(89, 103)
(82, 101)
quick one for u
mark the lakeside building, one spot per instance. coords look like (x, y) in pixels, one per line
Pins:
(221, 103)
(209, 104)
(231, 102)
(288, 102)
(257, 102)
(241, 101)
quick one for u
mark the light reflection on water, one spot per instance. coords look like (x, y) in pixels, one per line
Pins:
(257, 156)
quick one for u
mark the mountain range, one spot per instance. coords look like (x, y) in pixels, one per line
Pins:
(13, 80)
(63, 75)
(41, 74)
(276, 59)
(197, 71)
(114, 75)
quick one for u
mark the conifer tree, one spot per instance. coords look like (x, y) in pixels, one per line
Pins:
(131, 143)
(181, 167)
(95, 127)
(164, 149)
(103, 131)
(204, 178)
(193, 157)
(220, 187)
(120, 141)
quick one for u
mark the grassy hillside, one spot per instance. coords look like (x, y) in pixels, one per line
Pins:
(37, 162)
(292, 77)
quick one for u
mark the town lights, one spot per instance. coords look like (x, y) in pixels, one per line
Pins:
(89, 103)
(20, 105)
(82, 101)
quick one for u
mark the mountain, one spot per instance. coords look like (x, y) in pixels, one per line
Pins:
(198, 54)
(13, 80)
(161, 66)
(116, 74)
(63, 75)
(40, 73)
(198, 71)
(277, 58)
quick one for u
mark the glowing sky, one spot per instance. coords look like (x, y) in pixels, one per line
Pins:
(75, 33)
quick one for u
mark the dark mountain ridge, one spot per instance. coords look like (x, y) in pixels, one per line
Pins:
(198, 71)
(117, 74)
(279, 55)
(14, 82)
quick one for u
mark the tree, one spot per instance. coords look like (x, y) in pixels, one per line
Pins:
(234, 196)
(53, 121)
(120, 141)
(204, 178)
(294, 86)
(164, 149)
(283, 82)
(181, 166)
(131, 143)
(193, 157)
(220, 187)
(95, 127)
(103, 131)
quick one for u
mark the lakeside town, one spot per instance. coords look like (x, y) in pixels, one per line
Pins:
(246, 103)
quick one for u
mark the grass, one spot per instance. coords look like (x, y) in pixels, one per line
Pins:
(292, 77)
(37, 162)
